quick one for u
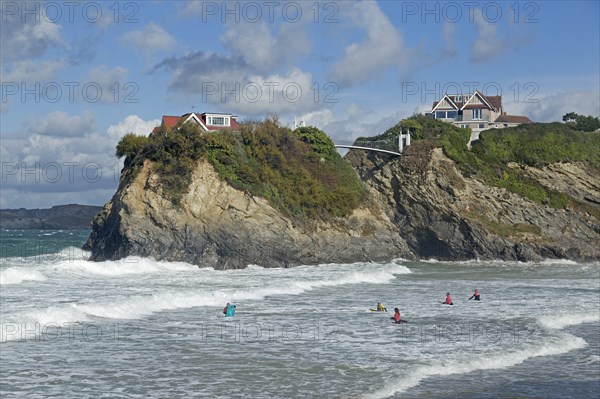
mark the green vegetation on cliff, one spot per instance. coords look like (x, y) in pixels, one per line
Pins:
(499, 156)
(534, 145)
(299, 172)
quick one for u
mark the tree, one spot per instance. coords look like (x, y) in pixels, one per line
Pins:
(581, 122)
(130, 145)
(570, 117)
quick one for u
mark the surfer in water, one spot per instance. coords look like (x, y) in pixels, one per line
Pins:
(448, 300)
(229, 310)
(475, 295)
(381, 307)
(396, 317)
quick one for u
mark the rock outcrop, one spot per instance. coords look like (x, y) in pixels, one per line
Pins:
(421, 206)
(443, 214)
(218, 226)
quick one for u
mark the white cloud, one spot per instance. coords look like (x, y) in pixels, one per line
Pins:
(60, 124)
(150, 39)
(132, 124)
(30, 38)
(32, 71)
(487, 45)
(261, 50)
(552, 108)
(382, 48)
(345, 127)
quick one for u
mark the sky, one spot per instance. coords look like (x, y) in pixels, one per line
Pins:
(76, 76)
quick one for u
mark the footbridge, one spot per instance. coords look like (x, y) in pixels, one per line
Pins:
(393, 146)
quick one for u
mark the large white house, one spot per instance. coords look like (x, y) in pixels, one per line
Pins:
(475, 111)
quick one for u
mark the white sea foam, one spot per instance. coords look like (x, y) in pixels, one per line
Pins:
(558, 322)
(132, 265)
(17, 275)
(139, 306)
(557, 345)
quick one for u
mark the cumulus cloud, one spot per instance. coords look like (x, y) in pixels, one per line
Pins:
(262, 51)
(150, 39)
(356, 121)
(382, 48)
(30, 38)
(132, 124)
(256, 73)
(231, 83)
(29, 71)
(60, 124)
(551, 108)
(61, 159)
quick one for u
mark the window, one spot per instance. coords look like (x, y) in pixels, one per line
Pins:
(482, 125)
(440, 114)
(217, 120)
(451, 114)
(477, 113)
(458, 98)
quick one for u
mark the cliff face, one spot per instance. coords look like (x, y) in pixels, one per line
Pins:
(445, 215)
(421, 206)
(221, 227)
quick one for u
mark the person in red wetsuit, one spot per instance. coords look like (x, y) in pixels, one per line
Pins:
(475, 295)
(396, 317)
(448, 300)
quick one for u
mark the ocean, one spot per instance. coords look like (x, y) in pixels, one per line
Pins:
(140, 328)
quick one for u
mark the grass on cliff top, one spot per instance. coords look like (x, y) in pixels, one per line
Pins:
(299, 172)
(533, 145)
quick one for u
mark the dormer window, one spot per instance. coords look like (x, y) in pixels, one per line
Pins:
(217, 120)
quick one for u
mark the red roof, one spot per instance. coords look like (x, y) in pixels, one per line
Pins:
(513, 119)
(171, 121)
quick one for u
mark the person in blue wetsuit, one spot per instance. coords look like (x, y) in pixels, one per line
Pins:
(230, 311)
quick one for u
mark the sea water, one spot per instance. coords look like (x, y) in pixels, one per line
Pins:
(141, 328)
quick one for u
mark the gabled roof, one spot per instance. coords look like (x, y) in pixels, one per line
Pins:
(481, 96)
(171, 121)
(513, 119)
(435, 104)
(492, 102)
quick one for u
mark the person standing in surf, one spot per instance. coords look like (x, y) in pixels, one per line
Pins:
(448, 300)
(396, 317)
(475, 295)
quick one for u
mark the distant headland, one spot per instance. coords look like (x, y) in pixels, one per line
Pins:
(60, 217)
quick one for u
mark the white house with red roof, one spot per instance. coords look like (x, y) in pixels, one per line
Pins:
(207, 121)
(475, 111)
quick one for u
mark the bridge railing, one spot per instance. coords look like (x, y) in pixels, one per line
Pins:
(389, 145)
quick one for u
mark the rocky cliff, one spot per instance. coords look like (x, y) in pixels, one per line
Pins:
(443, 214)
(218, 226)
(420, 206)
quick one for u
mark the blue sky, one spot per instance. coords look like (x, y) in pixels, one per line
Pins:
(77, 76)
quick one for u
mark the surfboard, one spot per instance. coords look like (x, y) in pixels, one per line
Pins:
(401, 321)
